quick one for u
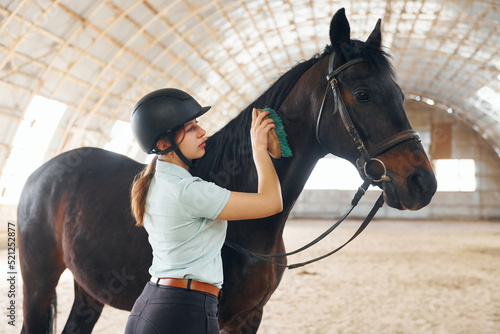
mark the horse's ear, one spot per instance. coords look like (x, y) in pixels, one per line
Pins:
(375, 38)
(339, 28)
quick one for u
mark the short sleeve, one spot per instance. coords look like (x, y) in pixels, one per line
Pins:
(203, 199)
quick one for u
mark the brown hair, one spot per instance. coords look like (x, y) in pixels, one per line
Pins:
(140, 187)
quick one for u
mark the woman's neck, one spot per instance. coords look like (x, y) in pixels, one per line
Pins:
(173, 159)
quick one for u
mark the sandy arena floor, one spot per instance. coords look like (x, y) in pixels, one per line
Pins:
(397, 277)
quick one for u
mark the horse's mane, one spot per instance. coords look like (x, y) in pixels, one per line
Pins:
(232, 145)
(232, 142)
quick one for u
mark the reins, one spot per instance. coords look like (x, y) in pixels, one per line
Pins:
(265, 257)
(366, 155)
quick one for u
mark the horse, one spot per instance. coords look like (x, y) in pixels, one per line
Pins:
(74, 211)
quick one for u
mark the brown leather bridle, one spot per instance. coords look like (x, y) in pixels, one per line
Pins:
(366, 155)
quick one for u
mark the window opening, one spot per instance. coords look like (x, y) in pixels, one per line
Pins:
(29, 146)
(455, 174)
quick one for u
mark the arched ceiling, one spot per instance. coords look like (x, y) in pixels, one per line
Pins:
(100, 57)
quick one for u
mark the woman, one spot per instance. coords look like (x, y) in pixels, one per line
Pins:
(186, 217)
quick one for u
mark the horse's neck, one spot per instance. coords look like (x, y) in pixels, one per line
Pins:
(299, 118)
(295, 172)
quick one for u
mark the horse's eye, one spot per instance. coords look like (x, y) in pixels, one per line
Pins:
(362, 97)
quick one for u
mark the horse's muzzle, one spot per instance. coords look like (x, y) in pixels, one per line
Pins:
(413, 192)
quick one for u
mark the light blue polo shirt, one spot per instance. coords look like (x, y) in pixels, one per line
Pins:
(180, 221)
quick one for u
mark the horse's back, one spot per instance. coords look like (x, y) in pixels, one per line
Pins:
(59, 178)
(75, 209)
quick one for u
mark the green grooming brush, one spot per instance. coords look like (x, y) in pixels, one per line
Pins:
(278, 144)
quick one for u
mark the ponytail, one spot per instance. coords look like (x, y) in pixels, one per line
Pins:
(142, 181)
(139, 191)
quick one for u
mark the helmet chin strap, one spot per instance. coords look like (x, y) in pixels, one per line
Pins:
(174, 147)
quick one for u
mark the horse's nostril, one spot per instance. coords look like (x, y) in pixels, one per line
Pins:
(416, 185)
(422, 184)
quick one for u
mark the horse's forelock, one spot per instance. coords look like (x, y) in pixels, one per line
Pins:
(378, 59)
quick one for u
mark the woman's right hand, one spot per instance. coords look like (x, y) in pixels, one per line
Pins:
(259, 131)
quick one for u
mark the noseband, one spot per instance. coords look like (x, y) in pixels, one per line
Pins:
(366, 155)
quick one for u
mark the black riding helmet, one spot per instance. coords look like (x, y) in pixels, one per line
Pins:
(159, 113)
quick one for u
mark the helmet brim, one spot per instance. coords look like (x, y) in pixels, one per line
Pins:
(199, 114)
